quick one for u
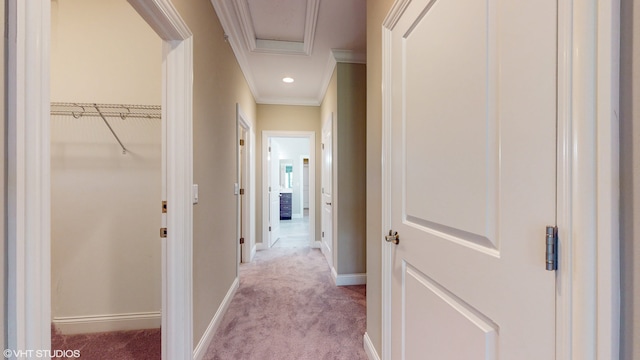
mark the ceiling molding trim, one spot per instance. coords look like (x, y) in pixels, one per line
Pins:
(246, 23)
(349, 56)
(288, 101)
(225, 11)
(326, 77)
(280, 47)
(255, 44)
(310, 25)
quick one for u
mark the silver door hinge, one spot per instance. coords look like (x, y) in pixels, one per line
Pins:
(322, 146)
(392, 237)
(269, 228)
(551, 254)
(323, 234)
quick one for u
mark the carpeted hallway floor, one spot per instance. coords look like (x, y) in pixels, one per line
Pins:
(287, 307)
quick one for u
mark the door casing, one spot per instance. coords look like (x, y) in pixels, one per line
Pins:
(266, 135)
(587, 295)
(29, 182)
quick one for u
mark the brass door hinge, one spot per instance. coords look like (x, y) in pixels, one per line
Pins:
(163, 232)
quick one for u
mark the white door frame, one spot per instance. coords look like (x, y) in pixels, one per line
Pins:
(249, 176)
(311, 135)
(29, 181)
(588, 281)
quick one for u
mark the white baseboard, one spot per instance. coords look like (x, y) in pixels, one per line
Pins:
(317, 244)
(261, 246)
(348, 279)
(369, 349)
(203, 344)
(110, 322)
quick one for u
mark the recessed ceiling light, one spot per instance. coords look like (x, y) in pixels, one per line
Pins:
(288, 80)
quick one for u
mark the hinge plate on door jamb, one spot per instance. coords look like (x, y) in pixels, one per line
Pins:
(164, 207)
(163, 232)
(241, 142)
(551, 253)
(241, 191)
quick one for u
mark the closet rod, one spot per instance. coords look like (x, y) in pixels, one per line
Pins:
(78, 110)
(123, 111)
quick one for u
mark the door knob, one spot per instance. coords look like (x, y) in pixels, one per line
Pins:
(392, 238)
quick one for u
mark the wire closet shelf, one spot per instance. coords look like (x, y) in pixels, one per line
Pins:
(122, 111)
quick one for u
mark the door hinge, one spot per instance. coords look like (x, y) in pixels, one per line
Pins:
(322, 146)
(242, 240)
(323, 234)
(241, 142)
(163, 232)
(269, 148)
(241, 191)
(269, 228)
(392, 237)
(164, 207)
(551, 255)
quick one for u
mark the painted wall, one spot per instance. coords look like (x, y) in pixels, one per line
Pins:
(630, 177)
(3, 243)
(376, 12)
(346, 99)
(286, 118)
(350, 154)
(105, 205)
(83, 47)
(218, 84)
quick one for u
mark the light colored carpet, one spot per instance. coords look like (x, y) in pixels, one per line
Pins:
(117, 345)
(287, 307)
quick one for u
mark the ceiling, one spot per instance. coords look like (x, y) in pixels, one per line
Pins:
(301, 39)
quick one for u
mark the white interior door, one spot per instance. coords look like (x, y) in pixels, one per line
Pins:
(274, 192)
(327, 200)
(473, 154)
(305, 184)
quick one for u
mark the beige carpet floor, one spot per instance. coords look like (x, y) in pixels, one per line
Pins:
(287, 307)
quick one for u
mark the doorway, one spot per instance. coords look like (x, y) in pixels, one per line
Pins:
(288, 200)
(246, 186)
(28, 201)
(105, 176)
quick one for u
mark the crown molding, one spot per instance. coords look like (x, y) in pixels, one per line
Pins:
(225, 13)
(338, 56)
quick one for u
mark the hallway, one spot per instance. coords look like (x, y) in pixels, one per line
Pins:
(294, 232)
(287, 307)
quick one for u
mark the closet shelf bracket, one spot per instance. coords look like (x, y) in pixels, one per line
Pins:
(124, 149)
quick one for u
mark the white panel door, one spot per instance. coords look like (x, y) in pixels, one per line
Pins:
(473, 134)
(274, 191)
(327, 201)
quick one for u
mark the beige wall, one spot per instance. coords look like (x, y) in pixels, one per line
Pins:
(3, 243)
(349, 152)
(105, 251)
(346, 100)
(103, 43)
(376, 12)
(630, 177)
(218, 85)
(286, 118)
